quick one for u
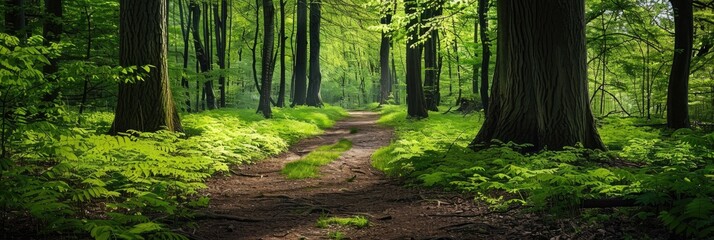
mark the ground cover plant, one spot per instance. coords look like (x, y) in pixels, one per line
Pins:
(136, 184)
(665, 174)
(309, 165)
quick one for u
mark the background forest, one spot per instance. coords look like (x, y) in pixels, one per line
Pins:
(301, 63)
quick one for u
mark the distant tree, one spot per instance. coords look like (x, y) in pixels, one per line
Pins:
(267, 63)
(678, 90)
(145, 105)
(221, 24)
(416, 104)
(300, 94)
(539, 93)
(485, 52)
(52, 29)
(313, 89)
(386, 41)
(202, 52)
(15, 18)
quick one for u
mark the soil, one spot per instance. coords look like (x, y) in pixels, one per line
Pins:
(257, 202)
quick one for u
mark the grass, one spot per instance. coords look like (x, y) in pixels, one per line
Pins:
(309, 166)
(356, 221)
(337, 235)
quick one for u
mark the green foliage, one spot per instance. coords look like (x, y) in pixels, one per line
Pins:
(133, 185)
(670, 171)
(309, 166)
(356, 221)
(337, 235)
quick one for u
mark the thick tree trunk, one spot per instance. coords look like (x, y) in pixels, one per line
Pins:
(431, 88)
(416, 104)
(282, 39)
(678, 90)
(313, 89)
(267, 63)
(300, 94)
(145, 105)
(385, 82)
(540, 88)
(485, 52)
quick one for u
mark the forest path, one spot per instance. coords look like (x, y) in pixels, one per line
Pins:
(349, 186)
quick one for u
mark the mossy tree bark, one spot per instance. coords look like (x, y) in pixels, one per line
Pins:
(416, 104)
(267, 62)
(313, 90)
(146, 105)
(539, 93)
(678, 89)
(300, 94)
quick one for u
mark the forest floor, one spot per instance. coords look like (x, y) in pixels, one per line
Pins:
(273, 207)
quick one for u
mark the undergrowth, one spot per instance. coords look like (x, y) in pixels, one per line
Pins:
(77, 180)
(667, 174)
(356, 221)
(309, 166)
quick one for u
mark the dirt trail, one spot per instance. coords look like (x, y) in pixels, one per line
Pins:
(349, 186)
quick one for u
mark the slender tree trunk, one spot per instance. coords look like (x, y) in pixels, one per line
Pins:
(267, 62)
(202, 52)
(431, 88)
(475, 66)
(52, 29)
(313, 89)
(301, 55)
(678, 89)
(485, 52)
(87, 57)
(416, 104)
(145, 105)
(210, 97)
(282, 39)
(385, 82)
(15, 19)
(220, 19)
(254, 50)
(541, 97)
(185, 33)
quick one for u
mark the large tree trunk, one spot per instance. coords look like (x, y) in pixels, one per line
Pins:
(431, 88)
(282, 39)
(678, 90)
(416, 105)
(267, 63)
(540, 87)
(385, 82)
(485, 52)
(313, 89)
(300, 94)
(146, 105)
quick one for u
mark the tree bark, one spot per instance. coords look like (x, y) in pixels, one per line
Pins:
(201, 51)
(300, 94)
(431, 88)
(540, 87)
(313, 89)
(267, 62)
(282, 39)
(185, 33)
(678, 89)
(416, 104)
(221, 25)
(385, 82)
(485, 53)
(146, 105)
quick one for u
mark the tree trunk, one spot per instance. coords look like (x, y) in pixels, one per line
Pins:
(475, 66)
(185, 32)
(313, 89)
(282, 39)
(201, 51)
(678, 90)
(15, 19)
(385, 82)
(485, 52)
(416, 104)
(431, 89)
(147, 105)
(221, 24)
(52, 29)
(267, 62)
(300, 94)
(540, 94)
(210, 97)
